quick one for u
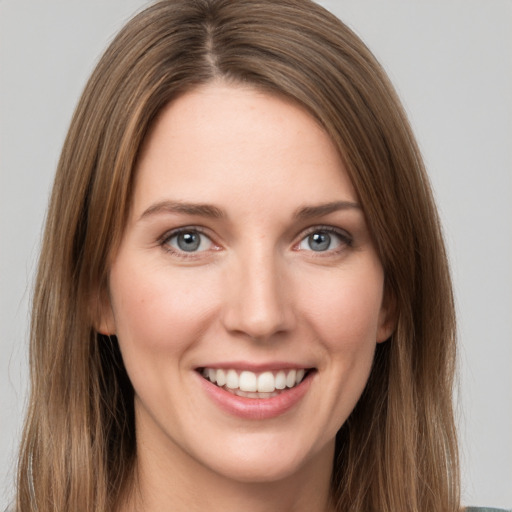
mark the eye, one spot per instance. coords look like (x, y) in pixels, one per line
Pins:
(324, 239)
(188, 240)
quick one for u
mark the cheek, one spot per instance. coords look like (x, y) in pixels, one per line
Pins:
(342, 313)
(158, 310)
(345, 308)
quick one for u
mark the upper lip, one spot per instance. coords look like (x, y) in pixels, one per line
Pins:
(255, 367)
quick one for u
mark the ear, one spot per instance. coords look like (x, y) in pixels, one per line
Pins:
(387, 317)
(102, 313)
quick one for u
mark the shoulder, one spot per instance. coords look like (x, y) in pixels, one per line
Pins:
(486, 509)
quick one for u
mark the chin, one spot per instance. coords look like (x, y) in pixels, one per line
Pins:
(261, 459)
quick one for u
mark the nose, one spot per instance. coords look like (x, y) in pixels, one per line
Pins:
(259, 297)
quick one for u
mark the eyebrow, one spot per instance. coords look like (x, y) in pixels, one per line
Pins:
(211, 211)
(308, 212)
(201, 209)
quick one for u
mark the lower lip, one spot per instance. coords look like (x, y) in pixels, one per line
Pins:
(257, 408)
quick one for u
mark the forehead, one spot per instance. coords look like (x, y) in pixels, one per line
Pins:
(220, 142)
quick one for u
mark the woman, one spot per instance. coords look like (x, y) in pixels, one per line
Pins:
(240, 208)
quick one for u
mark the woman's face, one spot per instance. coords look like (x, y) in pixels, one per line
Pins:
(246, 294)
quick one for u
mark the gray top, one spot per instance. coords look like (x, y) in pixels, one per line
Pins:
(486, 509)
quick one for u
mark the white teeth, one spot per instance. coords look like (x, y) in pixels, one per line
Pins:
(290, 378)
(232, 379)
(248, 394)
(221, 378)
(248, 381)
(266, 382)
(252, 385)
(280, 380)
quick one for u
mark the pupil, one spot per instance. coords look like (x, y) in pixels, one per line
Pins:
(319, 241)
(189, 241)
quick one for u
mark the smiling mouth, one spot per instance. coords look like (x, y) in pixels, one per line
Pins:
(249, 384)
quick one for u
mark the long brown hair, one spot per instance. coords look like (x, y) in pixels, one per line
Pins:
(397, 451)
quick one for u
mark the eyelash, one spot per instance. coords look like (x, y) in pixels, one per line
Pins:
(345, 239)
(165, 239)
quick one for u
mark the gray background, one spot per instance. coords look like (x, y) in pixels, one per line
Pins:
(451, 61)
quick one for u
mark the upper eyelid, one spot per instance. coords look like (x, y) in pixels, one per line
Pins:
(186, 256)
(328, 228)
(303, 233)
(184, 229)
(346, 238)
(163, 241)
